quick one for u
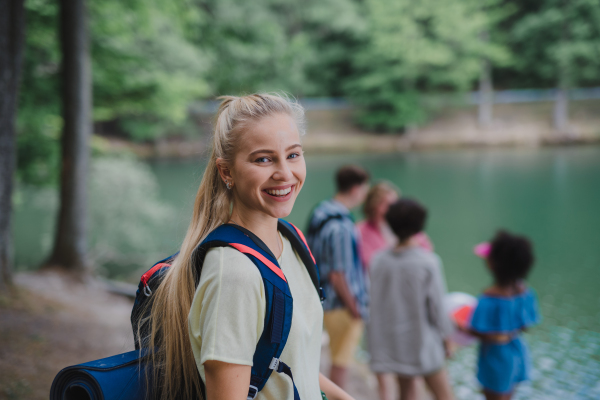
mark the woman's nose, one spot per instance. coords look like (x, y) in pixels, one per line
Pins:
(283, 172)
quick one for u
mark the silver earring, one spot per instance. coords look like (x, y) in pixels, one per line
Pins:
(228, 184)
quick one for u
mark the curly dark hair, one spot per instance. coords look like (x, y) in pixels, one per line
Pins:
(406, 217)
(511, 258)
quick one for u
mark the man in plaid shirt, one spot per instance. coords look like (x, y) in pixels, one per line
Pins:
(333, 239)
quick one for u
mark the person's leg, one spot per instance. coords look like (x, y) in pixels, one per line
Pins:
(408, 388)
(439, 385)
(344, 335)
(384, 386)
(489, 395)
(335, 325)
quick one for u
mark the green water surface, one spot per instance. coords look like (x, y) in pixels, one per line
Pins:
(551, 195)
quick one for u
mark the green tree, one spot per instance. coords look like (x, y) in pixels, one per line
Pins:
(146, 71)
(494, 54)
(12, 27)
(70, 245)
(414, 47)
(337, 30)
(39, 118)
(561, 41)
(255, 46)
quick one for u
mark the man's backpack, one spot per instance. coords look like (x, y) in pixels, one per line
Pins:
(123, 376)
(278, 315)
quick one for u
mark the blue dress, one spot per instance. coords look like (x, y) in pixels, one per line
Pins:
(502, 366)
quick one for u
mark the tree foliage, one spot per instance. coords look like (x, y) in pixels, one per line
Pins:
(287, 45)
(414, 47)
(152, 59)
(560, 38)
(146, 72)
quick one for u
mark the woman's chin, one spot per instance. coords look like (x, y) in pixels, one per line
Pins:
(281, 211)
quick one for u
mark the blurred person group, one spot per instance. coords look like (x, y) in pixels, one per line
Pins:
(383, 273)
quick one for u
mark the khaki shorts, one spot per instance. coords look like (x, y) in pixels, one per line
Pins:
(344, 335)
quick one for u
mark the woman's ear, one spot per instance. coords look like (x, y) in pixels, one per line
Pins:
(224, 170)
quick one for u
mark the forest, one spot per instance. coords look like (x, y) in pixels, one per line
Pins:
(152, 60)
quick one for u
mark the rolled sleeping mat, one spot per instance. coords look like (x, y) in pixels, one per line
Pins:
(120, 377)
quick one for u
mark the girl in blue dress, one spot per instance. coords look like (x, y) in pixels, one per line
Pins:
(504, 311)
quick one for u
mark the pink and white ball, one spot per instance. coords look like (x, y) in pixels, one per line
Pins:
(460, 307)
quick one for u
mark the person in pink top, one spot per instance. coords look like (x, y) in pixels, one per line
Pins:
(375, 236)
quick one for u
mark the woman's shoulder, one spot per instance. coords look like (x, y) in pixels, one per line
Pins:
(229, 264)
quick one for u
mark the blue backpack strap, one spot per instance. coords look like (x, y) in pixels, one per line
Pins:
(299, 243)
(279, 302)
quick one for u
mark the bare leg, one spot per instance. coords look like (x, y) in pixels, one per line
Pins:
(338, 375)
(439, 385)
(408, 388)
(496, 396)
(384, 386)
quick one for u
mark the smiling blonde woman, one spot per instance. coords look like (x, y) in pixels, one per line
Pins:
(252, 179)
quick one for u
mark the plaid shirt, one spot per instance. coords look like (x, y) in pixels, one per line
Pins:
(333, 239)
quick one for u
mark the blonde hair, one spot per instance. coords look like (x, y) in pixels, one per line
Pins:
(175, 373)
(376, 194)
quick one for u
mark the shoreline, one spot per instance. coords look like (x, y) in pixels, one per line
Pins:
(525, 125)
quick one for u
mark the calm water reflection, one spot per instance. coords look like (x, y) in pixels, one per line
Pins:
(551, 195)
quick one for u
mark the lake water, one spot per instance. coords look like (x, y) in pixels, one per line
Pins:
(551, 195)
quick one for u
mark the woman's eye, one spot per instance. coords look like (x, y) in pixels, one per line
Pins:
(262, 159)
(294, 155)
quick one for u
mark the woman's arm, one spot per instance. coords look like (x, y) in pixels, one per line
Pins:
(331, 390)
(225, 381)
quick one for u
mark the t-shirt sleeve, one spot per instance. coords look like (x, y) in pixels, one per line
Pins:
(227, 314)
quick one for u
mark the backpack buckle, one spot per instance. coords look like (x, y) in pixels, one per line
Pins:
(252, 392)
(274, 364)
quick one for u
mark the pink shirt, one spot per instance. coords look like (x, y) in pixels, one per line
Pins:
(372, 240)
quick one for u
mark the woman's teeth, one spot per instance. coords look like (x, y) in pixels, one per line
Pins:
(279, 192)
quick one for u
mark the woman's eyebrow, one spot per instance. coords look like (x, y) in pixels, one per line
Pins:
(273, 151)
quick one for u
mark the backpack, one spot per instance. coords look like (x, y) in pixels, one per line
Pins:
(279, 302)
(122, 377)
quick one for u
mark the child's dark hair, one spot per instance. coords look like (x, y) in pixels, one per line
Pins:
(349, 176)
(406, 217)
(511, 258)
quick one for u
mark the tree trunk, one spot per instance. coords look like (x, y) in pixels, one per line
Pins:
(486, 89)
(12, 28)
(70, 247)
(486, 94)
(561, 108)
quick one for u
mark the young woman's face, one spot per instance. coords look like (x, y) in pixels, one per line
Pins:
(384, 204)
(269, 169)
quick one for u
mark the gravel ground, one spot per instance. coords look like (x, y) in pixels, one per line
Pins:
(51, 321)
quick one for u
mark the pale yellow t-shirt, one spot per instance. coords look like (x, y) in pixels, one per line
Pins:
(227, 318)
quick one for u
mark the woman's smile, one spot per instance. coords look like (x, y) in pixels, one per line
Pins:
(280, 193)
